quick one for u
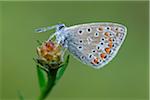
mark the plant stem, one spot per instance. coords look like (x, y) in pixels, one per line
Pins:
(50, 83)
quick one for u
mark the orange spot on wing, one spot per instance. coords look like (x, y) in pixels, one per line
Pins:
(110, 45)
(100, 28)
(107, 50)
(103, 55)
(95, 61)
(110, 40)
(107, 34)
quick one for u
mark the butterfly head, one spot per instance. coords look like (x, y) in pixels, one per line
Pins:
(60, 27)
(61, 34)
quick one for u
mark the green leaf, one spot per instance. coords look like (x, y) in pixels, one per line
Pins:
(41, 78)
(62, 68)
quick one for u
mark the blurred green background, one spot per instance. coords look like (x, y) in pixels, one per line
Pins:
(125, 78)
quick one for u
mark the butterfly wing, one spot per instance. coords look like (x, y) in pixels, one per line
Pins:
(95, 44)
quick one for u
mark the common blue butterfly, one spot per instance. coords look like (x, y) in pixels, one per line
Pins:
(94, 44)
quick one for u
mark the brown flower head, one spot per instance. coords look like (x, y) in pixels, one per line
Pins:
(50, 52)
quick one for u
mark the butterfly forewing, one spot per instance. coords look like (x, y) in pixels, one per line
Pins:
(95, 44)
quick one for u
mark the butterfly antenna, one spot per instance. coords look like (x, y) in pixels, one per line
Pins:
(45, 29)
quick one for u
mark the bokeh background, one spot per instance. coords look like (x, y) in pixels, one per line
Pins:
(125, 78)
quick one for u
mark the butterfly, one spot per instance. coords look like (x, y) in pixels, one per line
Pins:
(94, 44)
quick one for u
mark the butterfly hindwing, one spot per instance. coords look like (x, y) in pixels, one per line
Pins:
(95, 44)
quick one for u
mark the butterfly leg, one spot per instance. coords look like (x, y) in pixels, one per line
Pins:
(45, 29)
(63, 53)
(50, 38)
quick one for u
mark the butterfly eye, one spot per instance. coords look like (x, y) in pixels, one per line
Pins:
(61, 26)
(96, 34)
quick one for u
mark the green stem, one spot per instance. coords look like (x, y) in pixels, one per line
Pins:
(50, 83)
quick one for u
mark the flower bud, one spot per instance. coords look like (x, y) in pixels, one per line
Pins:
(49, 52)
